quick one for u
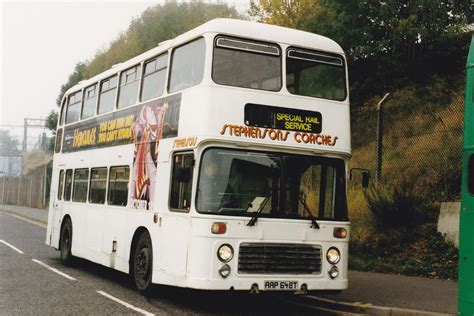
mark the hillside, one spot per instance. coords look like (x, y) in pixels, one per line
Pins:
(394, 222)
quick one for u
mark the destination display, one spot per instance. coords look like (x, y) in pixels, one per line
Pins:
(282, 118)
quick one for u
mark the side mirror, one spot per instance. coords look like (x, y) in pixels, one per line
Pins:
(365, 179)
(365, 176)
(183, 175)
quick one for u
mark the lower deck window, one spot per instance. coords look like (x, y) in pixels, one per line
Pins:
(61, 185)
(81, 181)
(98, 185)
(68, 186)
(118, 185)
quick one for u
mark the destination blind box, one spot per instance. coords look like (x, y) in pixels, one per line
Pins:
(258, 115)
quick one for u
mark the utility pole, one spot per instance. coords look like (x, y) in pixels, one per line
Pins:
(30, 123)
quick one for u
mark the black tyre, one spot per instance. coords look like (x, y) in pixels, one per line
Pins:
(142, 264)
(65, 243)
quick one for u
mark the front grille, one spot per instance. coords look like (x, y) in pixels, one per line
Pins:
(276, 258)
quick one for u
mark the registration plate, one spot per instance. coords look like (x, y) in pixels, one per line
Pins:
(281, 285)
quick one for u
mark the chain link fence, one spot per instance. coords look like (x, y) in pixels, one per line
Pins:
(420, 140)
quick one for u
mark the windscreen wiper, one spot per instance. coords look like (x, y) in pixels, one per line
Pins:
(307, 209)
(256, 214)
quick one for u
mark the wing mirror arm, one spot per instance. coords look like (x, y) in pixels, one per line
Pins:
(365, 176)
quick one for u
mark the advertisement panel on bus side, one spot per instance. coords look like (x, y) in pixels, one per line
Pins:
(125, 126)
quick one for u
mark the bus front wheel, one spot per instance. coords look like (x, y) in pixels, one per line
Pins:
(142, 263)
(66, 243)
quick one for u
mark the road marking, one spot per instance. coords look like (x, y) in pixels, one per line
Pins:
(139, 310)
(11, 246)
(54, 270)
(25, 219)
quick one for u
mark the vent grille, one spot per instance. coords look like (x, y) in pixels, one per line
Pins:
(276, 258)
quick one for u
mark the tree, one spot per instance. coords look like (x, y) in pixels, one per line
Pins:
(288, 13)
(388, 43)
(8, 145)
(155, 25)
(73, 79)
(51, 124)
(52, 121)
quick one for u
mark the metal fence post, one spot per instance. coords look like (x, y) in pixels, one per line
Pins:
(3, 189)
(43, 191)
(30, 192)
(43, 181)
(379, 149)
(18, 192)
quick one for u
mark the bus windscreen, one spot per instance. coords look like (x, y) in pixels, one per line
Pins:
(234, 182)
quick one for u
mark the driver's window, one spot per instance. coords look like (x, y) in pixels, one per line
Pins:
(181, 182)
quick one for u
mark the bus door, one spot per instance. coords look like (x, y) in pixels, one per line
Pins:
(57, 205)
(176, 223)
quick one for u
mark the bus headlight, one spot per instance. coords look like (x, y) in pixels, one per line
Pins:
(225, 253)
(333, 255)
(224, 271)
(333, 272)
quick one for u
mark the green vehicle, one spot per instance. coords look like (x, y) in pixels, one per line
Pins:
(466, 230)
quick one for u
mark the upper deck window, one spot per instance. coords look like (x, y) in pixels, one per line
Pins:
(90, 101)
(154, 77)
(73, 107)
(129, 84)
(315, 74)
(187, 65)
(247, 64)
(63, 111)
(108, 89)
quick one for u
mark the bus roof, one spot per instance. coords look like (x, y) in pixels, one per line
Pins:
(240, 28)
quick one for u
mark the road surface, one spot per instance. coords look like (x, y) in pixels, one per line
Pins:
(33, 281)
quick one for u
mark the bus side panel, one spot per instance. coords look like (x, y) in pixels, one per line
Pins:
(466, 246)
(95, 227)
(466, 238)
(114, 234)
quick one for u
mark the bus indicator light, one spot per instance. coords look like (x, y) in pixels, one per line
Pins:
(219, 228)
(224, 271)
(155, 218)
(340, 232)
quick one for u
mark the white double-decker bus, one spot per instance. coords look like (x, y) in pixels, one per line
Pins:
(216, 160)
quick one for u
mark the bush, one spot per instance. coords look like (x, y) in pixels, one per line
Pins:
(396, 206)
(421, 251)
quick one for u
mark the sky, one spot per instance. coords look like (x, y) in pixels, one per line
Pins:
(40, 43)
